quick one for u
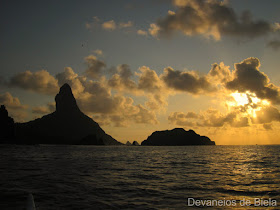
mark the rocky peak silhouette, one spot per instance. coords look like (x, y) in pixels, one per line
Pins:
(3, 112)
(65, 100)
(6, 126)
(67, 125)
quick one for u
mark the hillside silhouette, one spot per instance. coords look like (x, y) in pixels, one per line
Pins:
(66, 125)
(176, 137)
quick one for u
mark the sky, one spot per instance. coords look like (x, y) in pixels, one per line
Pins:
(140, 66)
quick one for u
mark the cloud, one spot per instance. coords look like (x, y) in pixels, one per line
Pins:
(267, 126)
(208, 118)
(211, 18)
(267, 115)
(42, 110)
(248, 77)
(220, 73)
(154, 30)
(189, 82)
(140, 115)
(274, 44)
(109, 25)
(96, 97)
(98, 52)
(15, 108)
(126, 25)
(144, 116)
(88, 26)
(40, 82)
(70, 77)
(122, 79)
(214, 118)
(11, 102)
(182, 119)
(149, 80)
(95, 66)
(142, 32)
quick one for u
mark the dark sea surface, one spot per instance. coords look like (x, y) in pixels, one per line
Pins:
(138, 177)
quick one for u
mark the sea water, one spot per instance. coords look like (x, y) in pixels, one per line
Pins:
(140, 177)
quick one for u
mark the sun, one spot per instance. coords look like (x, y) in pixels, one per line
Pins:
(240, 99)
(248, 103)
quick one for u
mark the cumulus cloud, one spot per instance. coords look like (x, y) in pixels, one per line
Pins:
(126, 24)
(96, 97)
(208, 118)
(70, 77)
(40, 82)
(214, 118)
(149, 80)
(111, 97)
(220, 73)
(182, 119)
(95, 66)
(14, 106)
(42, 110)
(140, 115)
(98, 52)
(212, 18)
(186, 81)
(122, 79)
(267, 115)
(11, 102)
(109, 25)
(154, 30)
(248, 77)
(142, 32)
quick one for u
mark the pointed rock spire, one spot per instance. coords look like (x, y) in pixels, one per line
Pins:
(65, 101)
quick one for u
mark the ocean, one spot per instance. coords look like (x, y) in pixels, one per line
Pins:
(140, 177)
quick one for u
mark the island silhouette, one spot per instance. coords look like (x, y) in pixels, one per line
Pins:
(69, 125)
(176, 137)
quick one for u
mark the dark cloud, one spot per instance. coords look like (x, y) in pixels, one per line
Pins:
(121, 80)
(267, 115)
(182, 119)
(267, 126)
(209, 18)
(95, 66)
(210, 118)
(220, 72)
(139, 115)
(40, 82)
(149, 80)
(186, 81)
(213, 118)
(248, 77)
(42, 110)
(274, 44)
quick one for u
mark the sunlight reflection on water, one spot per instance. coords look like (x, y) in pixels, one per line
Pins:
(84, 177)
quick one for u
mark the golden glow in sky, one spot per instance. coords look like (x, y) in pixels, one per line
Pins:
(138, 69)
(250, 100)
